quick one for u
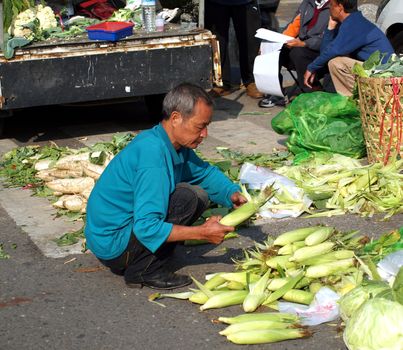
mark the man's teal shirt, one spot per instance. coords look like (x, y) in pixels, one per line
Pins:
(132, 194)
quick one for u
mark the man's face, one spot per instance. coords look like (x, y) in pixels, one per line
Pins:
(335, 10)
(191, 131)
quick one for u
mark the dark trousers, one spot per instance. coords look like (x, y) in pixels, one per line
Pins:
(137, 263)
(298, 59)
(246, 21)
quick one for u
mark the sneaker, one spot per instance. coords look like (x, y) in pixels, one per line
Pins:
(219, 91)
(271, 101)
(252, 91)
(169, 15)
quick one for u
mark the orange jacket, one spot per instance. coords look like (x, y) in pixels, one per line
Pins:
(293, 28)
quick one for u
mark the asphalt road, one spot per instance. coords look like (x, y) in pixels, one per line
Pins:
(71, 302)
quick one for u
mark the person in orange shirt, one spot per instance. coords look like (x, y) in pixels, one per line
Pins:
(307, 28)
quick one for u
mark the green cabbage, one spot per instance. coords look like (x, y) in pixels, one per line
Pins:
(351, 301)
(377, 325)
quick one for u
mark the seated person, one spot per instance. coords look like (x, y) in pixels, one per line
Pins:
(307, 27)
(349, 38)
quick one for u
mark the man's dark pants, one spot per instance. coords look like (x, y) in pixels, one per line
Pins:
(137, 263)
(298, 59)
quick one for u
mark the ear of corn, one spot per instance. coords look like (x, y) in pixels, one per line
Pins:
(319, 236)
(309, 252)
(266, 336)
(255, 325)
(328, 257)
(202, 288)
(298, 296)
(294, 235)
(224, 299)
(248, 209)
(243, 277)
(280, 260)
(256, 294)
(234, 285)
(264, 316)
(314, 287)
(317, 271)
(215, 281)
(284, 289)
(201, 298)
(290, 248)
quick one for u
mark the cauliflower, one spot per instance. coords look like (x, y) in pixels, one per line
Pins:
(46, 17)
(42, 18)
(18, 28)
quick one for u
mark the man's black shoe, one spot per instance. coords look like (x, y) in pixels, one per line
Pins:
(162, 280)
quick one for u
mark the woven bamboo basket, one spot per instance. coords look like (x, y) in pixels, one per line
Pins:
(381, 101)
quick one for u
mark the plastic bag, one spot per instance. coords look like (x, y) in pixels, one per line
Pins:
(324, 308)
(390, 265)
(258, 177)
(321, 121)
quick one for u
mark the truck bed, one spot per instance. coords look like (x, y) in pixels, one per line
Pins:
(78, 69)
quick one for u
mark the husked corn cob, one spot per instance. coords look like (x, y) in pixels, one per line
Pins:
(298, 296)
(262, 316)
(256, 294)
(317, 271)
(215, 281)
(277, 283)
(294, 236)
(227, 298)
(248, 209)
(328, 257)
(267, 336)
(256, 325)
(201, 298)
(319, 236)
(280, 260)
(309, 252)
(243, 277)
(290, 248)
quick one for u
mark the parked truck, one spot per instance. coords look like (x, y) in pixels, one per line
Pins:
(57, 71)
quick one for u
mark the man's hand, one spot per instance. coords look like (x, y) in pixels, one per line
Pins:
(309, 78)
(295, 43)
(332, 24)
(214, 232)
(238, 199)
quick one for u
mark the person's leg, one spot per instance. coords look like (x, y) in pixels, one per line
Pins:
(300, 58)
(217, 19)
(141, 266)
(246, 19)
(342, 77)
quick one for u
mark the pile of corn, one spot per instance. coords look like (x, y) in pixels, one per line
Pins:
(293, 267)
(71, 178)
(342, 184)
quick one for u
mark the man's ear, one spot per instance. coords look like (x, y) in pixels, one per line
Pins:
(176, 118)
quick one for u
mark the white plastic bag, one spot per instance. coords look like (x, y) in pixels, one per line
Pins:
(324, 308)
(389, 266)
(258, 177)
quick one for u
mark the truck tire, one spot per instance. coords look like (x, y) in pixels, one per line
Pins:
(154, 106)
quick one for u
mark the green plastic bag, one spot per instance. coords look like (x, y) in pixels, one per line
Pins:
(321, 121)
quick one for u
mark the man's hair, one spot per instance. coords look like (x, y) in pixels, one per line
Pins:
(349, 5)
(183, 99)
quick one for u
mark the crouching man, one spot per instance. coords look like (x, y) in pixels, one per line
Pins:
(153, 191)
(349, 38)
